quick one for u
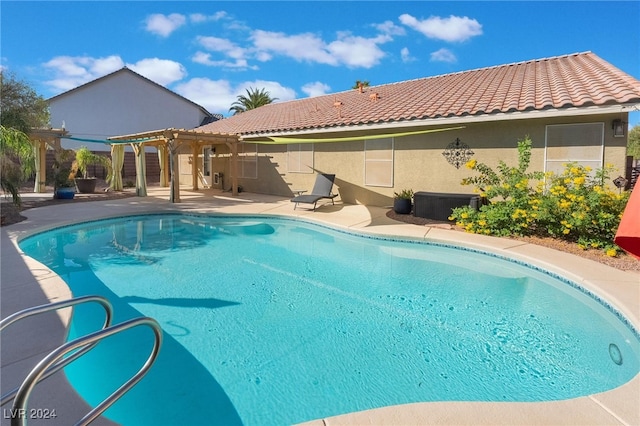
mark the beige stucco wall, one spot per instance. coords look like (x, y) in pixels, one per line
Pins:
(418, 160)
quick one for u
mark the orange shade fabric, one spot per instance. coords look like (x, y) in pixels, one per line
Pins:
(628, 234)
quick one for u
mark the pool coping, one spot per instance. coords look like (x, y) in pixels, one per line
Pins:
(619, 288)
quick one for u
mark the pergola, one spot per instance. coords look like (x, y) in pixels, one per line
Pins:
(169, 142)
(40, 138)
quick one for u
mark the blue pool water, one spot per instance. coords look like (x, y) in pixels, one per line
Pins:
(274, 321)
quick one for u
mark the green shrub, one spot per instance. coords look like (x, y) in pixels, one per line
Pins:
(406, 194)
(508, 189)
(575, 206)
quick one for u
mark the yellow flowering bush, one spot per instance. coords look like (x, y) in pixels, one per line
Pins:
(586, 211)
(576, 205)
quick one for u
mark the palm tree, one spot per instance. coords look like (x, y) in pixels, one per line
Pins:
(255, 98)
(21, 109)
(16, 161)
(360, 84)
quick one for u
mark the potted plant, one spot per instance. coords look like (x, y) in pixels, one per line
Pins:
(63, 174)
(402, 201)
(84, 159)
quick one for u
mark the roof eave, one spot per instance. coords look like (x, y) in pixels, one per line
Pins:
(457, 120)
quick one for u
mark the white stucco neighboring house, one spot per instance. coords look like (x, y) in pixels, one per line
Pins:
(122, 102)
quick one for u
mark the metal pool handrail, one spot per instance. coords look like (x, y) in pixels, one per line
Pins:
(25, 313)
(22, 397)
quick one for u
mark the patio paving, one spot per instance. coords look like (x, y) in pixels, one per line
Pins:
(26, 283)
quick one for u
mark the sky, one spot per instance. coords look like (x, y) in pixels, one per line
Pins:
(212, 51)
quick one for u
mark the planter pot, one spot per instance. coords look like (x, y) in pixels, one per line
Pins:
(86, 186)
(65, 193)
(402, 205)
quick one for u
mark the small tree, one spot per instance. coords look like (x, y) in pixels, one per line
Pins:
(360, 84)
(21, 109)
(86, 158)
(633, 142)
(16, 161)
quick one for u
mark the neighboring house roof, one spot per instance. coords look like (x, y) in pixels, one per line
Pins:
(208, 116)
(576, 80)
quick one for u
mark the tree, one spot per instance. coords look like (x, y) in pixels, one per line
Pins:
(16, 161)
(360, 84)
(255, 98)
(633, 142)
(21, 109)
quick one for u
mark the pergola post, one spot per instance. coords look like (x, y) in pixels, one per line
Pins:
(163, 159)
(194, 165)
(174, 189)
(234, 168)
(40, 151)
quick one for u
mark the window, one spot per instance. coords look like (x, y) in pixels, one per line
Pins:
(300, 158)
(574, 143)
(206, 160)
(248, 160)
(378, 162)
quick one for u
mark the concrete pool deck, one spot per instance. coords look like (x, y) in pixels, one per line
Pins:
(25, 283)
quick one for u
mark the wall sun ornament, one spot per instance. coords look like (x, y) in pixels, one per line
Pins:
(457, 153)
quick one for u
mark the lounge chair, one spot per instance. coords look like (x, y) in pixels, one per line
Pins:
(321, 189)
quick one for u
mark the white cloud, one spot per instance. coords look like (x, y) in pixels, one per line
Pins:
(389, 28)
(198, 18)
(164, 25)
(356, 52)
(72, 71)
(406, 55)
(216, 44)
(443, 55)
(451, 29)
(316, 89)
(205, 59)
(161, 71)
(301, 47)
(218, 95)
(348, 50)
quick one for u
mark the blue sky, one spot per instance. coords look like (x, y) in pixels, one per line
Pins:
(212, 51)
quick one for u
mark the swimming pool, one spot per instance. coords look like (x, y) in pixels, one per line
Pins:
(279, 321)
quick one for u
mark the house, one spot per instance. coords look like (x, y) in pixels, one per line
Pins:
(418, 134)
(118, 103)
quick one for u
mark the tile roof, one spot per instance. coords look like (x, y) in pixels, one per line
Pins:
(576, 80)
